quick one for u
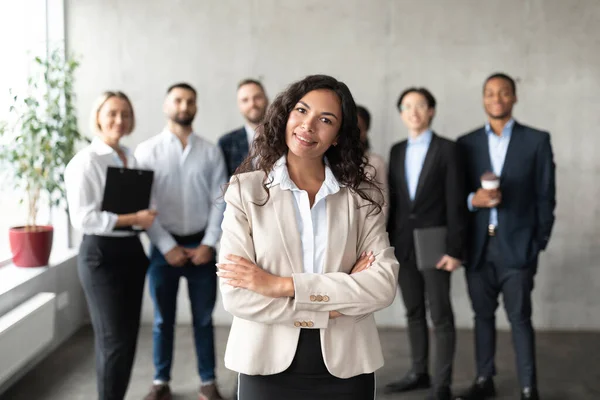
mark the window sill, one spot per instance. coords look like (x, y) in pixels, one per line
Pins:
(12, 276)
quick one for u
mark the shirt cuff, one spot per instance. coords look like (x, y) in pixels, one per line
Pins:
(165, 244)
(470, 202)
(210, 240)
(112, 221)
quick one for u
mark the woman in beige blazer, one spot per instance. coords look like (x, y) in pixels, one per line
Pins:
(305, 259)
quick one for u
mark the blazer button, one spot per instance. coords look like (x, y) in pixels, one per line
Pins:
(297, 324)
(313, 297)
(304, 324)
(325, 298)
(319, 298)
(310, 324)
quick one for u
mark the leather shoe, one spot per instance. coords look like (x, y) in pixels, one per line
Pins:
(530, 394)
(159, 392)
(440, 393)
(482, 388)
(411, 381)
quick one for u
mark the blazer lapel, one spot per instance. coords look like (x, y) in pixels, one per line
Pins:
(512, 151)
(427, 166)
(337, 229)
(285, 215)
(243, 141)
(400, 163)
(483, 154)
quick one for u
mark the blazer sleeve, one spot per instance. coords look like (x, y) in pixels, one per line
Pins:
(456, 207)
(545, 191)
(365, 292)
(243, 303)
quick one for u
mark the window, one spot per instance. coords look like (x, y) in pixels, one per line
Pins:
(27, 27)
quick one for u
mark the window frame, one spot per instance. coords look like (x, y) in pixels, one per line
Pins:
(54, 32)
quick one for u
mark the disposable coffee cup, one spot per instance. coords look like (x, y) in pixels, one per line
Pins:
(490, 181)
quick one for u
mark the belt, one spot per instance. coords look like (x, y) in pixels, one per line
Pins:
(492, 230)
(194, 238)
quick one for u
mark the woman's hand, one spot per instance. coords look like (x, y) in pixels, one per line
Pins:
(243, 273)
(364, 262)
(335, 314)
(145, 218)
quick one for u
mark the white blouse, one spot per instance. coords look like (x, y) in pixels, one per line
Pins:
(312, 222)
(85, 177)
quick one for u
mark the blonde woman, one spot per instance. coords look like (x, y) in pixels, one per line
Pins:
(111, 263)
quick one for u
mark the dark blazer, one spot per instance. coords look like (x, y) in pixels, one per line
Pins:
(527, 183)
(234, 146)
(439, 200)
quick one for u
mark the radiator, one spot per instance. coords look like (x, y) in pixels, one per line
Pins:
(25, 331)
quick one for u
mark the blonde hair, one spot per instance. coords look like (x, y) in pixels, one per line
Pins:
(100, 101)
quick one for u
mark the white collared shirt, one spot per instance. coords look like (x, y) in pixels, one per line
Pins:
(249, 135)
(416, 151)
(85, 178)
(187, 189)
(312, 222)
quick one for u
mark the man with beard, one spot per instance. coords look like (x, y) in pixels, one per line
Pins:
(252, 102)
(511, 195)
(189, 173)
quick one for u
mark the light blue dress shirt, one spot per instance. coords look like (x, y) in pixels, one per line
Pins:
(498, 146)
(416, 150)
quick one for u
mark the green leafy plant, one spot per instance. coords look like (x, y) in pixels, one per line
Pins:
(41, 135)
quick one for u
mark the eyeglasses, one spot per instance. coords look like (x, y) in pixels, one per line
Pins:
(418, 106)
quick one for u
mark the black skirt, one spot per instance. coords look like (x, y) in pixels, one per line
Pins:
(307, 378)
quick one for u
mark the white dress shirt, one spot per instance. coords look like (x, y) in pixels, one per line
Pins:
(249, 135)
(416, 151)
(312, 222)
(85, 177)
(187, 189)
(498, 147)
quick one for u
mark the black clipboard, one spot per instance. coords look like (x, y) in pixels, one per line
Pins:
(127, 191)
(430, 246)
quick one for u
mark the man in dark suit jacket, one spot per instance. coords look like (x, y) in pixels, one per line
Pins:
(508, 227)
(426, 190)
(252, 102)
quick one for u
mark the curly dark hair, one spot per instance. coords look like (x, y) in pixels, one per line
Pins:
(347, 160)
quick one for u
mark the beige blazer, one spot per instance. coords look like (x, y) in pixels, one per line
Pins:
(265, 331)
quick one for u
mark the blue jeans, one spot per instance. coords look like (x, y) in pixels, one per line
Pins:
(202, 288)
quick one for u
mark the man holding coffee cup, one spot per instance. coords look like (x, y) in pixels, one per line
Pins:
(511, 195)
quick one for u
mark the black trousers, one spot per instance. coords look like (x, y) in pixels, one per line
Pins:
(485, 284)
(430, 287)
(112, 272)
(306, 378)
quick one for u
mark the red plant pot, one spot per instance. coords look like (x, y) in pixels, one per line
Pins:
(31, 245)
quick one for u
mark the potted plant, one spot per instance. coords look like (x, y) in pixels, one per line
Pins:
(35, 146)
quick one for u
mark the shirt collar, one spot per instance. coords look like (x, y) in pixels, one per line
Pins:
(102, 148)
(423, 139)
(280, 176)
(506, 131)
(170, 136)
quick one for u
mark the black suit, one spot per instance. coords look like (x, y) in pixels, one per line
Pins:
(439, 201)
(234, 146)
(507, 262)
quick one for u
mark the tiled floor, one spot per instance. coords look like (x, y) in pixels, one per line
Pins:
(568, 367)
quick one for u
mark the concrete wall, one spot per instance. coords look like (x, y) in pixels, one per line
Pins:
(378, 48)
